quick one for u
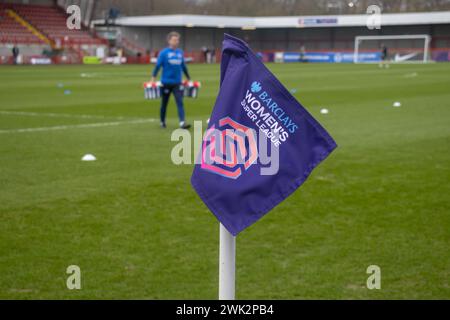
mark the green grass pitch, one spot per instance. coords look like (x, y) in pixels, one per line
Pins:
(134, 225)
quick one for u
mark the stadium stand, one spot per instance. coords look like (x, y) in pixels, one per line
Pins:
(11, 31)
(51, 21)
(333, 35)
(139, 38)
(41, 31)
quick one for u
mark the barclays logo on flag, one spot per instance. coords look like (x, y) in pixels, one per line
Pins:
(256, 87)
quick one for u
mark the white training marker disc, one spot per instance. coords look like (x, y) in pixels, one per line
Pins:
(88, 157)
(397, 104)
(324, 111)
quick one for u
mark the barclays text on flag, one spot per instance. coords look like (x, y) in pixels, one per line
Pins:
(267, 115)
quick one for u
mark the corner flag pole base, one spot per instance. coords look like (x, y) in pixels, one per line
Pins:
(227, 265)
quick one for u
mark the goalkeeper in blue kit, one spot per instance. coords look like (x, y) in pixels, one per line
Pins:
(171, 60)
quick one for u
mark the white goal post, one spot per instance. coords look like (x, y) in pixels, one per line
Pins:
(425, 37)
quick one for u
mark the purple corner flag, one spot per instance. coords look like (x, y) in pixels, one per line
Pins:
(253, 106)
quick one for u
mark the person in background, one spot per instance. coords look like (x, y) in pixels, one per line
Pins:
(15, 53)
(213, 55)
(171, 60)
(384, 55)
(208, 56)
(303, 54)
(205, 53)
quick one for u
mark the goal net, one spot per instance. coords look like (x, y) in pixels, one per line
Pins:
(399, 48)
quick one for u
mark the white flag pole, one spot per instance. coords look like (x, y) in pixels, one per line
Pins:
(227, 264)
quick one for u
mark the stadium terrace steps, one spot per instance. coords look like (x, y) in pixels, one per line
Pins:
(48, 24)
(28, 26)
(131, 46)
(11, 31)
(52, 22)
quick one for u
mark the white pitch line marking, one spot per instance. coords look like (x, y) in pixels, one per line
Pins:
(57, 115)
(77, 126)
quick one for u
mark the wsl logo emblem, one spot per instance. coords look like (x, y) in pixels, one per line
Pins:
(231, 148)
